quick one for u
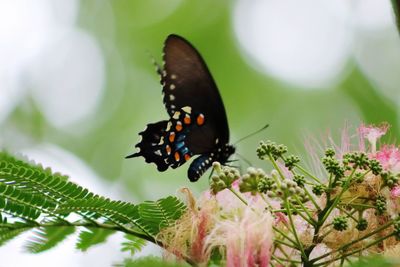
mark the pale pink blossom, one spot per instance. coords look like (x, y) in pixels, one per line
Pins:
(280, 217)
(395, 192)
(247, 238)
(373, 133)
(389, 157)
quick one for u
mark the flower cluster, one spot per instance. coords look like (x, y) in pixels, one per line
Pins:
(291, 217)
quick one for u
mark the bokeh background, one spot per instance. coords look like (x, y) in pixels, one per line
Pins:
(77, 85)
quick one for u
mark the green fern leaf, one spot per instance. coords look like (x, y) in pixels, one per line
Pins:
(34, 179)
(22, 203)
(122, 212)
(149, 261)
(7, 234)
(91, 237)
(155, 215)
(48, 237)
(133, 244)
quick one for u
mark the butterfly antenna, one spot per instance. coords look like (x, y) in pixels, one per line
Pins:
(250, 135)
(154, 62)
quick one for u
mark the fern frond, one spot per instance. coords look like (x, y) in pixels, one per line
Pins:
(20, 204)
(133, 244)
(36, 180)
(155, 215)
(122, 212)
(32, 193)
(92, 236)
(48, 237)
(7, 234)
(27, 163)
(149, 261)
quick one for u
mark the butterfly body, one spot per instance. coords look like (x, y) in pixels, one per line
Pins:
(197, 125)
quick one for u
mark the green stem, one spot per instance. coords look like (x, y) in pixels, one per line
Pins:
(281, 250)
(278, 260)
(280, 242)
(363, 248)
(311, 197)
(310, 221)
(276, 167)
(308, 173)
(310, 217)
(350, 215)
(383, 227)
(238, 196)
(337, 198)
(361, 205)
(291, 222)
(266, 202)
(284, 235)
(287, 260)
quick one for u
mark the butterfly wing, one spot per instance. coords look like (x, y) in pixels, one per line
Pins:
(149, 146)
(187, 82)
(198, 124)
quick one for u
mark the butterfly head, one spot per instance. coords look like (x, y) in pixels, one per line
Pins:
(226, 151)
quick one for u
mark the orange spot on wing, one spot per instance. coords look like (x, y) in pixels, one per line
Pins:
(186, 120)
(171, 137)
(178, 126)
(168, 149)
(200, 119)
(187, 157)
(177, 156)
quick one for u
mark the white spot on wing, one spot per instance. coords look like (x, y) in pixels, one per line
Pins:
(169, 124)
(176, 115)
(172, 86)
(171, 97)
(187, 109)
(173, 76)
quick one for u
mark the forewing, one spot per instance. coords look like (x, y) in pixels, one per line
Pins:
(187, 82)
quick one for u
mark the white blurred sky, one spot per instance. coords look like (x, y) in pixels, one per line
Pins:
(309, 44)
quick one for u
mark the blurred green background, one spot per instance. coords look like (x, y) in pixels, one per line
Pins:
(77, 84)
(127, 94)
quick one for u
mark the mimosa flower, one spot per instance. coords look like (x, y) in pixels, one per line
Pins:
(373, 133)
(389, 157)
(395, 192)
(247, 238)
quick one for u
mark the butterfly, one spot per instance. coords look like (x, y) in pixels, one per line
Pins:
(197, 123)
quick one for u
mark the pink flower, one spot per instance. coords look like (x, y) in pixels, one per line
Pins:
(372, 133)
(247, 238)
(280, 217)
(389, 157)
(395, 192)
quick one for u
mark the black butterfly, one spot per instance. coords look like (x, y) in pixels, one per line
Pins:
(197, 123)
